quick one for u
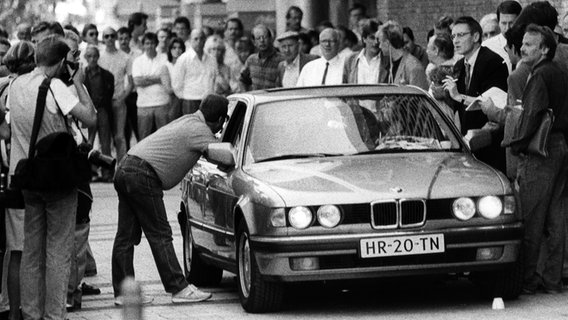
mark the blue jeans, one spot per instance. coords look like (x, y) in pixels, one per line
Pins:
(542, 200)
(141, 208)
(49, 229)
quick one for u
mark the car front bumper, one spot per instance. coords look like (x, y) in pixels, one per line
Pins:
(334, 257)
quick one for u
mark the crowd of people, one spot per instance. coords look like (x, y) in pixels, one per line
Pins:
(123, 85)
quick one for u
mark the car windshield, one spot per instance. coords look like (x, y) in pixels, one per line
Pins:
(332, 126)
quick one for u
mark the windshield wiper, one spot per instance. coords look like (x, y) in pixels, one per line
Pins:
(301, 155)
(401, 150)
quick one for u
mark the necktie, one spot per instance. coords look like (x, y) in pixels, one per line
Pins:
(325, 73)
(467, 74)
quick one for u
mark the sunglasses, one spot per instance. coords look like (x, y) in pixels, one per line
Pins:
(109, 36)
(92, 34)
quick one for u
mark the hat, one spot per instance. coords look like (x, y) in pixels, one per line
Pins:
(214, 107)
(288, 35)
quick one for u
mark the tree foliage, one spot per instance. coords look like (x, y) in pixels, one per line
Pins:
(14, 12)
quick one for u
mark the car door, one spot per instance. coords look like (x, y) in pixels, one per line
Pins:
(220, 196)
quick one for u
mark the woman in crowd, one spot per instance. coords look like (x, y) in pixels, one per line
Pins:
(215, 47)
(175, 49)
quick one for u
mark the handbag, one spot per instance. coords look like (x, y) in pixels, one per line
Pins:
(539, 141)
(54, 163)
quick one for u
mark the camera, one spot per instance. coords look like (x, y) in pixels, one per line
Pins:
(64, 74)
(96, 158)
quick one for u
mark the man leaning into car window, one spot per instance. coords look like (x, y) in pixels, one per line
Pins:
(157, 163)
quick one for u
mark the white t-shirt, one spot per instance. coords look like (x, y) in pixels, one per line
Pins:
(117, 63)
(152, 95)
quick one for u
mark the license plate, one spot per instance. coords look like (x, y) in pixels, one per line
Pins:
(401, 246)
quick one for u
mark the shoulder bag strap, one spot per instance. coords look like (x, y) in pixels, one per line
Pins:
(40, 106)
(69, 129)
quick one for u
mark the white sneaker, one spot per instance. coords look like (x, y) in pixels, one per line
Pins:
(119, 301)
(190, 294)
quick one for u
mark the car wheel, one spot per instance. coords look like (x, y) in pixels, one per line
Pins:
(197, 272)
(256, 294)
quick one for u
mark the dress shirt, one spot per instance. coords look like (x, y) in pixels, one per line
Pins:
(291, 72)
(471, 61)
(193, 78)
(497, 44)
(346, 52)
(368, 71)
(312, 73)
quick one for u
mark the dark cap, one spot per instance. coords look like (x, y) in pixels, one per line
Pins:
(214, 107)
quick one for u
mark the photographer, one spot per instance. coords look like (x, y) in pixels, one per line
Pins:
(49, 223)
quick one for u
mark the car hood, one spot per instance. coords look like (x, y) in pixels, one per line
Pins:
(366, 178)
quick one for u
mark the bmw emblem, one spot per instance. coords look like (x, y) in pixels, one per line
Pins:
(396, 189)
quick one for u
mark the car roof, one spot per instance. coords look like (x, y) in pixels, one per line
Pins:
(278, 94)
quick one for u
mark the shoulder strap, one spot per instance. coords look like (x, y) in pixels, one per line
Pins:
(69, 129)
(40, 106)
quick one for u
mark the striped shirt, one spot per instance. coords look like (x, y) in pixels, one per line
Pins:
(261, 72)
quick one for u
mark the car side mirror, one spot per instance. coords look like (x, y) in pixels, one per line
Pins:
(478, 139)
(222, 154)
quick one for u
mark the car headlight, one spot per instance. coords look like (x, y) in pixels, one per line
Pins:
(329, 216)
(490, 207)
(463, 208)
(300, 217)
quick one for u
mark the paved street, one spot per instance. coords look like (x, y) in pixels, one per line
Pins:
(433, 299)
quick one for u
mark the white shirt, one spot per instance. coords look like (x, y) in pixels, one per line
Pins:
(291, 72)
(368, 71)
(312, 73)
(471, 61)
(346, 52)
(118, 63)
(152, 95)
(497, 44)
(192, 78)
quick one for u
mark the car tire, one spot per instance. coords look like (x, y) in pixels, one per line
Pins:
(197, 272)
(256, 294)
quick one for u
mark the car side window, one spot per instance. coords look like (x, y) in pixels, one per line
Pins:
(234, 127)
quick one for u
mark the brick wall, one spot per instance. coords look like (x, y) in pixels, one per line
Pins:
(420, 15)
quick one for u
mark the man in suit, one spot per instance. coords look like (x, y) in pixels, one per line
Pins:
(366, 66)
(478, 70)
(289, 69)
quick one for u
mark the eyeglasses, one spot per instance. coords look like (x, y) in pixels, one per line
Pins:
(490, 34)
(328, 42)
(261, 38)
(109, 36)
(459, 35)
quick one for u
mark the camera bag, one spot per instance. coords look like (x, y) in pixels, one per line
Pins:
(54, 163)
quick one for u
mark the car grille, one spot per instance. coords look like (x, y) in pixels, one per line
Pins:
(436, 209)
(398, 213)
